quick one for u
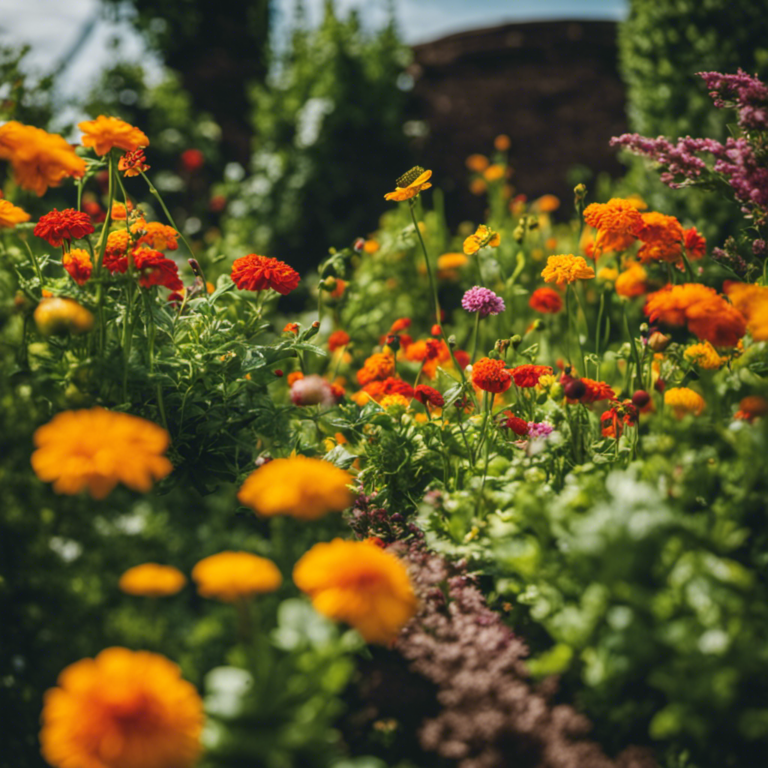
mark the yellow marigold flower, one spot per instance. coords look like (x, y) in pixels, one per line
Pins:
(394, 401)
(608, 274)
(233, 576)
(119, 211)
(752, 301)
(123, 709)
(494, 172)
(105, 133)
(547, 203)
(97, 449)
(452, 261)
(299, 486)
(155, 235)
(632, 282)
(55, 316)
(684, 400)
(566, 268)
(705, 356)
(39, 159)
(11, 215)
(484, 236)
(77, 263)
(477, 163)
(152, 580)
(359, 583)
(410, 184)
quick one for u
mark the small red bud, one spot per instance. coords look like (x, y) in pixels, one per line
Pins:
(279, 373)
(641, 398)
(436, 331)
(660, 385)
(359, 244)
(315, 324)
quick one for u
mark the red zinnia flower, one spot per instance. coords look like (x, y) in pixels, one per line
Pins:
(192, 160)
(596, 390)
(695, 244)
(491, 375)
(69, 224)
(546, 300)
(529, 375)
(613, 421)
(291, 328)
(516, 424)
(337, 340)
(155, 269)
(257, 273)
(425, 394)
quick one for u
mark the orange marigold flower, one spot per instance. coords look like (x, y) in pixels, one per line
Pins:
(56, 317)
(376, 368)
(233, 576)
(359, 583)
(428, 396)
(683, 401)
(97, 449)
(338, 291)
(105, 133)
(400, 325)
(484, 236)
(502, 142)
(410, 184)
(494, 172)
(617, 223)
(752, 302)
(695, 244)
(566, 268)
(371, 246)
(632, 281)
(451, 261)
(662, 237)
(337, 340)
(594, 391)
(11, 215)
(477, 163)
(546, 301)
(133, 163)
(78, 264)
(156, 235)
(433, 353)
(258, 273)
(155, 269)
(529, 375)
(621, 415)
(478, 187)
(152, 580)
(294, 377)
(123, 709)
(298, 486)
(115, 258)
(547, 203)
(751, 408)
(708, 315)
(705, 356)
(119, 211)
(377, 390)
(291, 328)
(39, 159)
(491, 375)
(57, 226)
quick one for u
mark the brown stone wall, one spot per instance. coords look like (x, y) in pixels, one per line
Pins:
(553, 87)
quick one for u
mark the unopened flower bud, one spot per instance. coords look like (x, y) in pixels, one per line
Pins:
(393, 342)
(575, 389)
(501, 346)
(641, 398)
(644, 329)
(579, 193)
(658, 342)
(518, 234)
(516, 341)
(436, 330)
(533, 222)
(494, 355)
(660, 385)
(195, 267)
(451, 341)
(329, 284)
(278, 373)
(359, 244)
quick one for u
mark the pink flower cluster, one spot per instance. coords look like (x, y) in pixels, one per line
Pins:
(482, 300)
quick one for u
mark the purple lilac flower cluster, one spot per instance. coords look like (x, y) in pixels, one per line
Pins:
(735, 160)
(742, 91)
(540, 430)
(482, 300)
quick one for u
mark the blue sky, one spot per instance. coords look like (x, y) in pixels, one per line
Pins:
(53, 26)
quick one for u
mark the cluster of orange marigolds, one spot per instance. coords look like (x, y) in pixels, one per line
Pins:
(132, 709)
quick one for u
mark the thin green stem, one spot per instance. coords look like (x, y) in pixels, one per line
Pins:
(597, 333)
(633, 348)
(432, 282)
(474, 336)
(35, 262)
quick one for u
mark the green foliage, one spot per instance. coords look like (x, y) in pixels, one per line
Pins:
(329, 133)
